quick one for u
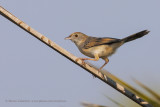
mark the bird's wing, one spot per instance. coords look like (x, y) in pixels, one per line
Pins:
(93, 41)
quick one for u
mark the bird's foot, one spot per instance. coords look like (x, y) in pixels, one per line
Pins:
(82, 59)
(99, 70)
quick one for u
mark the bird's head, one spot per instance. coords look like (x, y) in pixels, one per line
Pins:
(77, 37)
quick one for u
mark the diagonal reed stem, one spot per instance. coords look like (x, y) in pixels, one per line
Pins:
(71, 57)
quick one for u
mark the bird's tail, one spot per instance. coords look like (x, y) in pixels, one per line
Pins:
(135, 36)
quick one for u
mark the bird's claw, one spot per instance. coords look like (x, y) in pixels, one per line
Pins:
(82, 59)
(99, 70)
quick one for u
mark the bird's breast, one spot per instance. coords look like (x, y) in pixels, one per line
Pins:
(102, 51)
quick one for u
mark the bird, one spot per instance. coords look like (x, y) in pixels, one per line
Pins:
(96, 47)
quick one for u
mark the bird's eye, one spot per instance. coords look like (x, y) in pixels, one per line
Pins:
(76, 35)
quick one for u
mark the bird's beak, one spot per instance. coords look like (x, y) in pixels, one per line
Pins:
(69, 37)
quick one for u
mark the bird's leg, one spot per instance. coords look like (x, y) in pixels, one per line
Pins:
(106, 61)
(96, 58)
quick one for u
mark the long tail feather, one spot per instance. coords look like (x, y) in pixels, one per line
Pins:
(135, 36)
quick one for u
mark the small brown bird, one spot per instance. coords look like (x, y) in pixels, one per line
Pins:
(100, 47)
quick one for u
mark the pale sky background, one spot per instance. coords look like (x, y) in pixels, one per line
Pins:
(30, 70)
